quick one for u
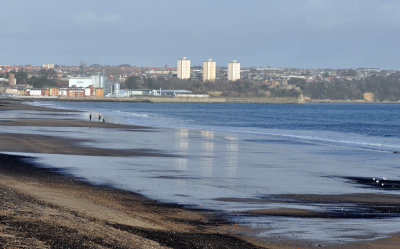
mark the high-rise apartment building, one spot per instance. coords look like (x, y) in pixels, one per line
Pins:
(183, 68)
(233, 71)
(209, 70)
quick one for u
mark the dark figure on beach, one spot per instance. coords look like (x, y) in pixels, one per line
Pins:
(99, 117)
(103, 120)
(90, 117)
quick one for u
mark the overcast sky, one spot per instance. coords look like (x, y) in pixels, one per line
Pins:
(276, 33)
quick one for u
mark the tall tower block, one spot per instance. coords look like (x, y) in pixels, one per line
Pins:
(209, 70)
(233, 71)
(183, 68)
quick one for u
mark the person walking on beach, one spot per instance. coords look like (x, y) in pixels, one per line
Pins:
(99, 117)
(90, 117)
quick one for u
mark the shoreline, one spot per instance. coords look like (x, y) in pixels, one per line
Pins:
(55, 209)
(360, 101)
(193, 221)
(211, 100)
(45, 208)
(144, 99)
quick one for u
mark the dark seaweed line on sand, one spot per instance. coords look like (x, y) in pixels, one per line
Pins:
(186, 240)
(54, 236)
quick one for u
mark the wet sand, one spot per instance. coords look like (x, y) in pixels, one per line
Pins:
(42, 208)
(15, 104)
(30, 143)
(344, 206)
(68, 123)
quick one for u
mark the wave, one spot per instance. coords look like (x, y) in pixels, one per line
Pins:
(133, 114)
(336, 138)
(49, 104)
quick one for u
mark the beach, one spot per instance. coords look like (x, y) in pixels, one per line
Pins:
(43, 207)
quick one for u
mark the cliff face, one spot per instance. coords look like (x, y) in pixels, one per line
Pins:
(301, 99)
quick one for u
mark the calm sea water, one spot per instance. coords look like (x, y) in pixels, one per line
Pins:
(254, 152)
(374, 126)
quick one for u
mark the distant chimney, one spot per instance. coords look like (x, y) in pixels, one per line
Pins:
(11, 79)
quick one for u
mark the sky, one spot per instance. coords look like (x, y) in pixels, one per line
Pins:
(275, 33)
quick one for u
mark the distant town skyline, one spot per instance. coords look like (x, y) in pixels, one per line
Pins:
(285, 34)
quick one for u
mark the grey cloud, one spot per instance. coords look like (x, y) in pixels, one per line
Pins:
(302, 33)
(89, 20)
(388, 14)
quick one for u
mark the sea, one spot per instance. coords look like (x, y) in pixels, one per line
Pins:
(235, 158)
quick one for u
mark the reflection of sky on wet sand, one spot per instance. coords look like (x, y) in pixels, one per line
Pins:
(216, 165)
(182, 147)
(232, 150)
(207, 152)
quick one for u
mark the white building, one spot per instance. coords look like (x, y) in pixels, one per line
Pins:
(183, 68)
(35, 92)
(88, 92)
(81, 82)
(96, 81)
(209, 70)
(63, 92)
(233, 71)
(48, 66)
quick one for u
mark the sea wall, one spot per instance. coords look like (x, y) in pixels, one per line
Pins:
(266, 100)
(211, 100)
(249, 100)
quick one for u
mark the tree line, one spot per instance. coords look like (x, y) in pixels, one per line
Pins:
(385, 88)
(240, 88)
(44, 78)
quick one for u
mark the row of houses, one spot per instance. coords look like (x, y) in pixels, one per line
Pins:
(72, 92)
